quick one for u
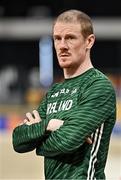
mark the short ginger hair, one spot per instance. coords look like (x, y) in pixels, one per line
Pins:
(76, 16)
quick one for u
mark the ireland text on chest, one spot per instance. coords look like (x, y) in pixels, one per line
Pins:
(61, 106)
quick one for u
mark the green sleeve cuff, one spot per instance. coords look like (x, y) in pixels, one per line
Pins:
(27, 137)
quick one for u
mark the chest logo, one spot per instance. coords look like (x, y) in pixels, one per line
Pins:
(62, 106)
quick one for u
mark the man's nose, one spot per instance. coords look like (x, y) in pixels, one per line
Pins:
(63, 44)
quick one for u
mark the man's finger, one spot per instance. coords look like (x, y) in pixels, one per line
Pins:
(36, 114)
(29, 116)
(89, 140)
(28, 123)
(25, 121)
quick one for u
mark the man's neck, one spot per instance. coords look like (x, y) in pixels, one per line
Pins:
(73, 72)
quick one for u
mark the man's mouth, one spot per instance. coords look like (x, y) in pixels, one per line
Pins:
(64, 55)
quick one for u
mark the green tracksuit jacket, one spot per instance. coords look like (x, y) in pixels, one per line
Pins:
(87, 105)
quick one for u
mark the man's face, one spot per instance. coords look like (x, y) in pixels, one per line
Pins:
(69, 44)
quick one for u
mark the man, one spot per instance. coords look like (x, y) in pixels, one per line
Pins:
(81, 106)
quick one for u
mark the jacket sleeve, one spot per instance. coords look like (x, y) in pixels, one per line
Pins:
(96, 105)
(26, 137)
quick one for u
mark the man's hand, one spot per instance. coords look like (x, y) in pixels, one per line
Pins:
(54, 124)
(32, 118)
(89, 140)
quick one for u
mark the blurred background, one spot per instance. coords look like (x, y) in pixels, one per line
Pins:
(28, 67)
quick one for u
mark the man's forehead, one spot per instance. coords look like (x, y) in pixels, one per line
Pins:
(66, 27)
(66, 24)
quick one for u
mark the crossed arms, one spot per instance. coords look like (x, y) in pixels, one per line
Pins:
(66, 136)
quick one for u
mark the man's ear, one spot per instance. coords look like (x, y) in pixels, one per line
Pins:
(90, 41)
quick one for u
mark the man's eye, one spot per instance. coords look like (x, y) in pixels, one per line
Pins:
(57, 38)
(70, 37)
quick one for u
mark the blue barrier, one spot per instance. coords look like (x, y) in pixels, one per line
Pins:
(3, 122)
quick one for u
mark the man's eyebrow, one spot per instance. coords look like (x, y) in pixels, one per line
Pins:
(67, 34)
(56, 35)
